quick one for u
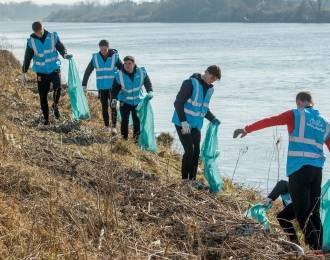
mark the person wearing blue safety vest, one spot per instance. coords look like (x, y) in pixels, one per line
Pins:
(43, 47)
(191, 107)
(106, 63)
(127, 89)
(286, 215)
(308, 132)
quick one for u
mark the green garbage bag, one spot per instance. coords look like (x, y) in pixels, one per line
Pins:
(325, 215)
(79, 104)
(258, 213)
(209, 154)
(147, 138)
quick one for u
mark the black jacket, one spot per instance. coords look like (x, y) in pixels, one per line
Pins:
(186, 92)
(116, 87)
(29, 53)
(90, 66)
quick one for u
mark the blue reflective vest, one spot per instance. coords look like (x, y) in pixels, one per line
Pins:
(131, 91)
(196, 107)
(307, 140)
(105, 70)
(45, 58)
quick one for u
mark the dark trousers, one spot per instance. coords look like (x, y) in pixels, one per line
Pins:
(284, 218)
(305, 191)
(105, 98)
(44, 82)
(191, 145)
(125, 111)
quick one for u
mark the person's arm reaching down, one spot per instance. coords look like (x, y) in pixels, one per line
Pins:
(87, 73)
(27, 58)
(61, 48)
(181, 98)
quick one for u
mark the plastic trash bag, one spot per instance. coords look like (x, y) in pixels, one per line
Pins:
(258, 213)
(209, 154)
(79, 104)
(147, 138)
(325, 215)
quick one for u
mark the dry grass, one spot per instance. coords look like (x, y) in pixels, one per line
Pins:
(71, 192)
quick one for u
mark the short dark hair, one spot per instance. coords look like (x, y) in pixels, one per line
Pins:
(129, 58)
(305, 96)
(104, 43)
(215, 71)
(37, 26)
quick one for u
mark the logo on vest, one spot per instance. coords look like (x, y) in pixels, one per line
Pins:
(316, 124)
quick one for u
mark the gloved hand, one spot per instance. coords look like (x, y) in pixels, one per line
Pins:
(114, 103)
(22, 77)
(150, 95)
(68, 56)
(216, 121)
(267, 202)
(238, 132)
(84, 88)
(185, 128)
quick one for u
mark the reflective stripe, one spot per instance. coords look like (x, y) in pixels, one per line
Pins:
(304, 154)
(105, 77)
(121, 79)
(130, 98)
(302, 123)
(197, 91)
(34, 47)
(305, 141)
(197, 104)
(46, 61)
(192, 113)
(141, 78)
(52, 40)
(103, 69)
(327, 131)
(96, 61)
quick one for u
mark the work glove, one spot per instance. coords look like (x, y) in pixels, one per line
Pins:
(68, 56)
(185, 128)
(114, 103)
(22, 78)
(239, 132)
(150, 95)
(267, 202)
(216, 121)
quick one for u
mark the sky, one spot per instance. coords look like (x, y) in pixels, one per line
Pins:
(59, 1)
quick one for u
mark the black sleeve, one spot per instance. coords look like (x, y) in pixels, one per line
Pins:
(60, 48)
(209, 115)
(27, 58)
(281, 188)
(88, 72)
(147, 84)
(116, 87)
(182, 97)
(119, 64)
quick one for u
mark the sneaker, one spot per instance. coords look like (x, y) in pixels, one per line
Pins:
(113, 131)
(106, 129)
(56, 112)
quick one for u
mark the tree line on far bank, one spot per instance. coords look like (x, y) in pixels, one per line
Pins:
(301, 11)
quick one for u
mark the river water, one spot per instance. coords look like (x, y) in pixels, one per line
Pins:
(263, 65)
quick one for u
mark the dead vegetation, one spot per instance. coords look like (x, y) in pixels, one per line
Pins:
(70, 192)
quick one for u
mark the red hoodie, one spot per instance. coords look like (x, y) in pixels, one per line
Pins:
(286, 118)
